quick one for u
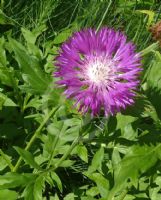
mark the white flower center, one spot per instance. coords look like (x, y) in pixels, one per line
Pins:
(100, 70)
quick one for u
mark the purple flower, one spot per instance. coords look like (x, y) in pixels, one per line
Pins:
(99, 70)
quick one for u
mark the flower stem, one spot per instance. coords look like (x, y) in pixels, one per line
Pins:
(36, 134)
(104, 15)
(65, 156)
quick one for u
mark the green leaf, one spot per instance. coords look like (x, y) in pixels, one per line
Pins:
(5, 161)
(115, 157)
(2, 100)
(56, 178)
(69, 196)
(153, 78)
(154, 85)
(101, 182)
(12, 180)
(137, 161)
(124, 120)
(33, 191)
(27, 157)
(28, 192)
(55, 197)
(93, 191)
(34, 102)
(61, 37)
(5, 101)
(97, 161)
(82, 153)
(6, 76)
(3, 59)
(9, 103)
(64, 164)
(36, 81)
(38, 187)
(8, 194)
(29, 36)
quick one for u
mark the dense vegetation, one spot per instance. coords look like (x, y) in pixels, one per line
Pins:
(50, 151)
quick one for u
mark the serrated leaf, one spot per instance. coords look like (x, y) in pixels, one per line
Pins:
(137, 161)
(27, 157)
(56, 178)
(36, 80)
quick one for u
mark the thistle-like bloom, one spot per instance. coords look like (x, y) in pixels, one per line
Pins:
(99, 70)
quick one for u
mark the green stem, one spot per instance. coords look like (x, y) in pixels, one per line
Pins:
(36, 134)
(104, 15)
(54, 146)
(65, 156)
(7, 160)
(82, 133)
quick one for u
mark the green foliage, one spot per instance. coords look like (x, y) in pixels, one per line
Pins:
(35, 80)
(47, 149)
(8, 194)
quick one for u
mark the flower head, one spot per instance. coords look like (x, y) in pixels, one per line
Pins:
(99, 70)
